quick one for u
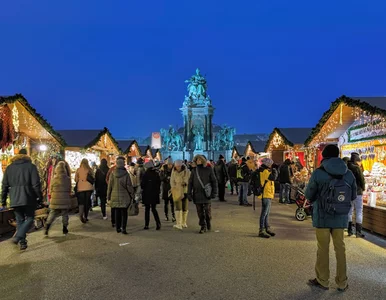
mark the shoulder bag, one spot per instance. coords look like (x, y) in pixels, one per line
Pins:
(207, 187)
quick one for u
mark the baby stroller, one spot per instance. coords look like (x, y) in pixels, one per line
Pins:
(304, 206)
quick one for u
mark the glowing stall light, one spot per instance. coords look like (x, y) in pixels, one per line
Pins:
(43, 148)
(74, 158)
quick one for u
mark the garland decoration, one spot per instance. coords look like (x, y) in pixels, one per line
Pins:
(7, 131)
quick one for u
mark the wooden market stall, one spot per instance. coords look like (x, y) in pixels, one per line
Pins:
(22, 127)
(254, 149)
(91, 144)
(156, 154)
(130, 149)
(146, 153)
(237, 152)
(358, 124)
(286, 143)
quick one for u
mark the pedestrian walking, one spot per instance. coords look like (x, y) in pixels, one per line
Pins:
(355, 166)
(179, 186)
(21, 181)
(165, 175)
(331, 189)
(232, 172)
(151, 185)
(201, 189)
(112, 209)
(84, 179)
(268, 175)
(60, 203)
(244, 178)
(120, 193)
(101, 185)
(285, 181)
(222, 177)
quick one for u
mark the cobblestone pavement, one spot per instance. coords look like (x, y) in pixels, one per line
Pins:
(231, 262)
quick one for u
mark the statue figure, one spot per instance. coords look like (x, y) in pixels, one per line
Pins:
(224, 139)
(197, 90)
(198, 137)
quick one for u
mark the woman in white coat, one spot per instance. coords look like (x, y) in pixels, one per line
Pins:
(179, 187)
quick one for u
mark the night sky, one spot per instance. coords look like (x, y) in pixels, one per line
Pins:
(122, 64)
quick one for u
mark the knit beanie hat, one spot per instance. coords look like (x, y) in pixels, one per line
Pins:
(267, 161)
(355, 157)
(178, 162)
(330, 150)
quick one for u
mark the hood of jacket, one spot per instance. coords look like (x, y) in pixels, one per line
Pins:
(334, 166)
(20, 159)
(183, 167)
(202, 158)
(120, 172)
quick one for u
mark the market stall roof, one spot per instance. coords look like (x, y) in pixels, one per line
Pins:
(125, 145)
(86, 138)
(257, 146)
(30, 121)
(291, 136)
(143, 149)
(243, 139)
(342, 114)
(239, 150)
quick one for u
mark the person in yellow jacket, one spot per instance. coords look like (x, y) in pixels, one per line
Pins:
(267, 181)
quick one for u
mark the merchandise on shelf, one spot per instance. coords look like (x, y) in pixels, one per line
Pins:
(375, 193)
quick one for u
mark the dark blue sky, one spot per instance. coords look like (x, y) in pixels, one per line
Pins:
(122, 64)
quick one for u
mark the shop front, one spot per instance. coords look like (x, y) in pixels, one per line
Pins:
(146, 153)
(358, 125)
(22, 127)
(130, 149)
(288, 143)
(93, 145)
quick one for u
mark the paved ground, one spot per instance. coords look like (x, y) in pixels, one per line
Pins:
(229, 263)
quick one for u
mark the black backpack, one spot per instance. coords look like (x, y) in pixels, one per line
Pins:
(336, 195)
(257, 188)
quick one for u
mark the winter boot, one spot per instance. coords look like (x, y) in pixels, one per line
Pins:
(47, 229)
(166, 217)
(202, 230)
(263, 233)
(65, 230)
(270, 232)
(179, 220)
(173, 217)
(358, 232)
(184, 219)
(349, 229)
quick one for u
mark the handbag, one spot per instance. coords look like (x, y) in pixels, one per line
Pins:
(207, 187)
(133, 209)
(90, 179)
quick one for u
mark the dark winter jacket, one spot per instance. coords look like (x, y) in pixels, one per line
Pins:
(195, 190)
(21, 180)
(100, 182)
(120, 191)
(232, 170)
(285, 172)
(151, 185)
(334, 166)
(165, 176)
(359, 178)
(245, 172)
(221, 172)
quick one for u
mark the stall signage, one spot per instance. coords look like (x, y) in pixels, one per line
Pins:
(156, 140)
(365, 132)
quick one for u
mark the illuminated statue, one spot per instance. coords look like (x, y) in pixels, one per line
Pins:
(198, 132)
(197, 90)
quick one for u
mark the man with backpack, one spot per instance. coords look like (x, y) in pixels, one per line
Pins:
(244, 176)
(331, 189)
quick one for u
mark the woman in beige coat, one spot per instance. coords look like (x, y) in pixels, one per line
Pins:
(84, 179)
(179, 187)
(60, 204)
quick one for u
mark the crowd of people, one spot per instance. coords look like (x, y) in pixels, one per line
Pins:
(335, 189)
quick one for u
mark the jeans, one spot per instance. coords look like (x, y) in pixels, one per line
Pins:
(358, 205)
(166, 208)
(153, 208)
(204, 212)
(25, 216)
(54, 213)
(322, 267)
(121, 215)
(265, 210)
(284, 194)
(243, 195)
(103, 204)
(221, 191)
(234, 184)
